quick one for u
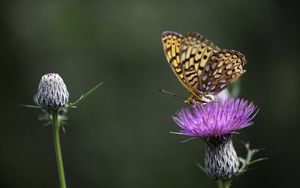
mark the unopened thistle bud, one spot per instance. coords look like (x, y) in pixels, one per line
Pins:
(52, 93)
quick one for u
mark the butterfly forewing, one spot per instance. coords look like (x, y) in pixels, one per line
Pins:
(171, 44)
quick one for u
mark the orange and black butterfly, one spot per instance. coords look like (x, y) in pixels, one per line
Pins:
(202, 67)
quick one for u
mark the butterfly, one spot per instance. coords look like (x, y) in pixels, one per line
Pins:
(202, 67)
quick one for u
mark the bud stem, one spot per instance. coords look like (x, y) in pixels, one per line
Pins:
(56, 126)
(223, 184)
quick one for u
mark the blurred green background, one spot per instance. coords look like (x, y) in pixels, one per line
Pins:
(119, 137)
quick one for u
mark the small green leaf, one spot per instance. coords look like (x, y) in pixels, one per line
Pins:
(258, 160)
(246, 162)
(73, 105)
(201, 167)
(30, 106)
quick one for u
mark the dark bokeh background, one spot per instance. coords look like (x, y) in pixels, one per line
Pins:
(119, 137)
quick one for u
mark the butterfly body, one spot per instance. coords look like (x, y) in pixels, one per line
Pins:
(202, 67)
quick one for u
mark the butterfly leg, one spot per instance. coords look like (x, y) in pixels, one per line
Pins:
(192, 101)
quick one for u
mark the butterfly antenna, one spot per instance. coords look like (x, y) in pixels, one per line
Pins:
(171, 93)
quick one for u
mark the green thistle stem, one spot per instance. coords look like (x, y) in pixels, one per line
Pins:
(223, 184)
(56, 126)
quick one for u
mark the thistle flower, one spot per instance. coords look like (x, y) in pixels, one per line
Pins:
(52, 93)
(215, 123)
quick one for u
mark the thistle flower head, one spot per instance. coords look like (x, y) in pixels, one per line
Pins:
(215, 123)
(215, 119)
(52, 93)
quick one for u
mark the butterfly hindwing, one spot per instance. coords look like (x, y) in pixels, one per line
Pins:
(223, 68)
(188, 51)
(202, 40)
(195, 52)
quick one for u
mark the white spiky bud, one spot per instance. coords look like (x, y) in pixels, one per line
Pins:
(221, 160)
(52, 93)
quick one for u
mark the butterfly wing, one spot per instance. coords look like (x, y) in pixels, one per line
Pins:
(171, 45)
(201, 66)
(194, 54)
(202, 40)
(223, 68)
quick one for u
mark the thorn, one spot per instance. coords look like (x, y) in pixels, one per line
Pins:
(63, 129)
(184, 141)
(47, 124)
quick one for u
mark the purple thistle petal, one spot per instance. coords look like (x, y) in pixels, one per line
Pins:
(215, 119)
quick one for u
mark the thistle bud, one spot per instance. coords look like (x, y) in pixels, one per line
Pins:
(221, 160)
(52, 93)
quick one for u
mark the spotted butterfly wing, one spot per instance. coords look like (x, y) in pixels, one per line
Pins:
(194, 55)
(222, 69)
(171, 45)
(202, 67)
